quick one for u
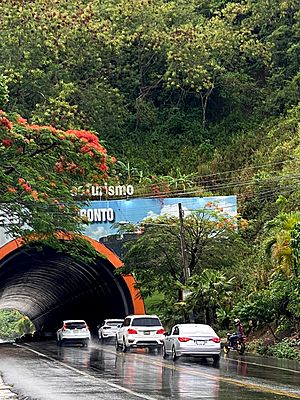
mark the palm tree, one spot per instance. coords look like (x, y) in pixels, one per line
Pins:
(209, 291)
(280, 246)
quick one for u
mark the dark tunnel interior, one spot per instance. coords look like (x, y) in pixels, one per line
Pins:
(50, 287)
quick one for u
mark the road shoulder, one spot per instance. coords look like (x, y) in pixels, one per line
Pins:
(6, 391)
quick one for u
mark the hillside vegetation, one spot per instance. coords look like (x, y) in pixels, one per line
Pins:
(195, 97)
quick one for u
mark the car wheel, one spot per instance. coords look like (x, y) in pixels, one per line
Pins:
(174, 355)
(216, 358)
(124, 347)
(117, 345)
(85, 343)
(60, 343)
(165, 355)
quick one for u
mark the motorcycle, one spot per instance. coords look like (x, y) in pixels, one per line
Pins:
(235, 343)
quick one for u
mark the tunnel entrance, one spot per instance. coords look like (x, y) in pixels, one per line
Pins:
(49, 287)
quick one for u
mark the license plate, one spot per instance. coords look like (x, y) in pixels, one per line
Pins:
(147, 333)
(200, 341)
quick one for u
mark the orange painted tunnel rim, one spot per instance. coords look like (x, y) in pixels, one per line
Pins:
(138, 304)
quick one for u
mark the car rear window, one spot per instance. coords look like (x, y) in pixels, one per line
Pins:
(146, 322)
(75, 325)
(114, 323)
(204, 330)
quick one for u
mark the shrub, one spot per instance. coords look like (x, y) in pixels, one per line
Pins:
(257, 346)
(285, 349)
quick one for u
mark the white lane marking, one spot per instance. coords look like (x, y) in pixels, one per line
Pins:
(114, 385)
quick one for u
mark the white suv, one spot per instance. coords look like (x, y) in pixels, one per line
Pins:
(140, 331)
(108, 329)
(73, 331)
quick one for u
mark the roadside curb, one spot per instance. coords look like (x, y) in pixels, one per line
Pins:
(6, 391)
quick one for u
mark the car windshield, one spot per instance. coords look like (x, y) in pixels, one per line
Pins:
(114, 323)
(75, 325)
(146, 322)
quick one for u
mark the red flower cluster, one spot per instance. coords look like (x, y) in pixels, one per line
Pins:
(89, 144)
(87, 150)
(7, 142)
(59, 167)
(103, 167)
(6, 123)
(155, 189)
(25, 185)
(92, 141)
(22, 121)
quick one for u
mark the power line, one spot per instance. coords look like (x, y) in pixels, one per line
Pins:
(249, 167)
(217, 187)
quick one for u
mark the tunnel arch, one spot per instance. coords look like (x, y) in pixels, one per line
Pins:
(49, 287)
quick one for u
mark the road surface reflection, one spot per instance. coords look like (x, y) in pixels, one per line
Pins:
(43, 371)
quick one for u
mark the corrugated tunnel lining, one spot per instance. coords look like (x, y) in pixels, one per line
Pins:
(49, 287)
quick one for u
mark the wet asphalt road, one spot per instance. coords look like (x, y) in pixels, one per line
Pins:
(43, 371)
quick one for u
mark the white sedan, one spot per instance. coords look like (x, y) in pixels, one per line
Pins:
(197, 340)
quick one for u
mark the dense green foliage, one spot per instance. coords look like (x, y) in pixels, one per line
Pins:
(287, 348)
(212, 248)
(198, 96)
(13, 324)
(173, 79)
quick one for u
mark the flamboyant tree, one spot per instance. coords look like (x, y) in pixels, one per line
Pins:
(40, 168)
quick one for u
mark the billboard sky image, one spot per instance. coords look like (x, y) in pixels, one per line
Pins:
(103, 214)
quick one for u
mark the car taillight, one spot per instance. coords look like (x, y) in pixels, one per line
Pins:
(64, 328)
(160, 332)
(215, 339)
(131, 331)
(184, 339)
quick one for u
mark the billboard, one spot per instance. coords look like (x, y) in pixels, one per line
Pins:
(103, 214)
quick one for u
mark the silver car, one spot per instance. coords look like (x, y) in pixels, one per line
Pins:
(192, 340)
(109, 328)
